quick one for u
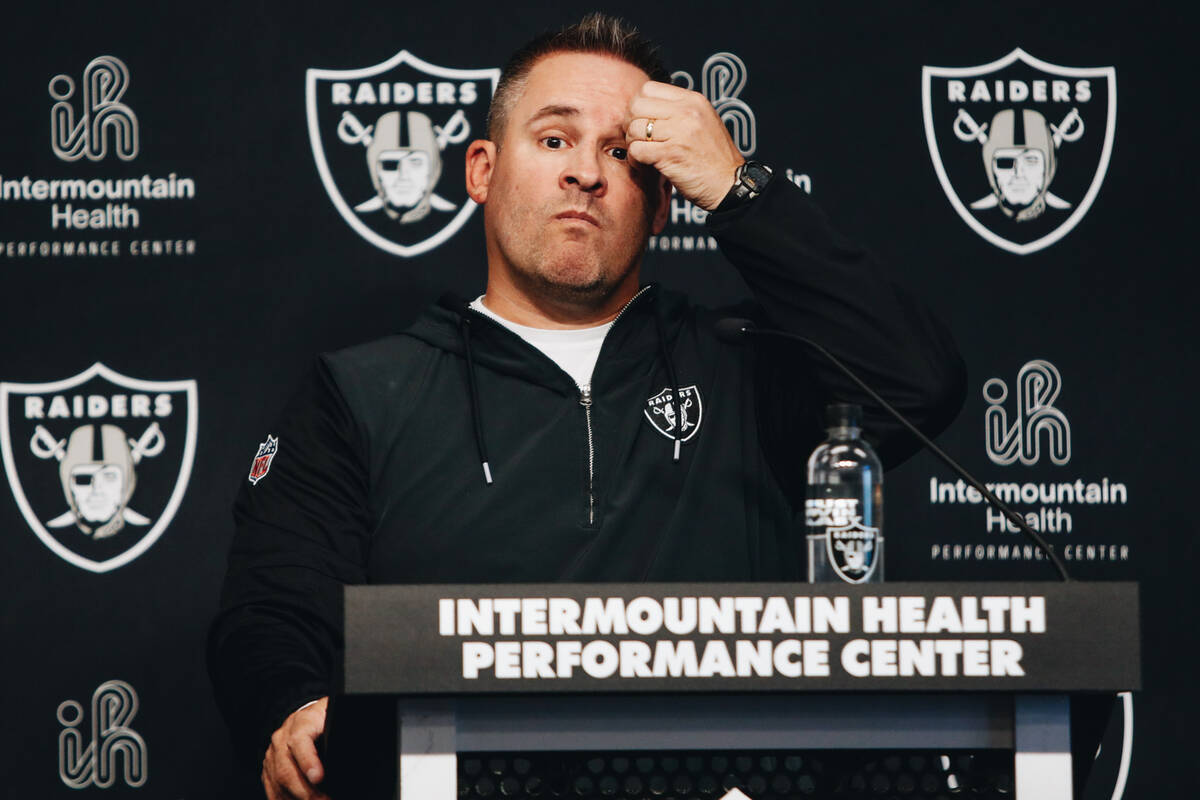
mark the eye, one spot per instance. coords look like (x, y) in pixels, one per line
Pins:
(554, 142)
(619, 153)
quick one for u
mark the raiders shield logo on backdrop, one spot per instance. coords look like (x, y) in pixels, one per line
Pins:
(390, 141)
(852, 550)
(98, 463)
(1020, 145)
(661, 412)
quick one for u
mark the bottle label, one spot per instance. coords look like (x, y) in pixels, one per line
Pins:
(853, 549)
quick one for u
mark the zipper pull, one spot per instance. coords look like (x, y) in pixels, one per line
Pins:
(585, 396)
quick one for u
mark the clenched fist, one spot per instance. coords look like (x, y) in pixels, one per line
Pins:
(677, 131)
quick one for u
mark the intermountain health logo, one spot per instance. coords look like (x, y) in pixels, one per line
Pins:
(1027, 435)
(98, 463)
(101, 115)
(1020, 145)
(111, 750)
(1035, 419)
(389, 143)
(105, 208)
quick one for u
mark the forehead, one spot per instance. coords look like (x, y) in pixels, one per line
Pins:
(599, 86)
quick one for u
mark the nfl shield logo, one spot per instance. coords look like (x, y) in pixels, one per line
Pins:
(389, 143)
(98, 463)
(262, 459)
(853, 550)
(1020, 145)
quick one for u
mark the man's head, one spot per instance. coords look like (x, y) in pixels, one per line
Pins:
(405, 164)
(595, 33)
(1019, 159)
(567, 214)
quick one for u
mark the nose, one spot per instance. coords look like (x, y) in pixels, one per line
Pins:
(583, 172)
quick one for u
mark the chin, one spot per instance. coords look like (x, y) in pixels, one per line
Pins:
(575, 284)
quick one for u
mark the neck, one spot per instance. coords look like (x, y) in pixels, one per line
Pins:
(537, 310)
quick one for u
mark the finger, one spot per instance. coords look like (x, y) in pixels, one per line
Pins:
(269, 787)
(641, 130)
(664, 90)
(646, 152)
(652, 107)
(283, 771)
(304, 753)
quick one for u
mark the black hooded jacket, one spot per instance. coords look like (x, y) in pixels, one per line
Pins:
(378, 477)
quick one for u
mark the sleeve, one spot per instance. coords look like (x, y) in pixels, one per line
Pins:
(302, 532)
(810, 281)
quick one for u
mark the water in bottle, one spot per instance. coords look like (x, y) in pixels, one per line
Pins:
(843, 512)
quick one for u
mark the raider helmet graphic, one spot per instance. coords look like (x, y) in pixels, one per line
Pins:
(98, 479)
(405, 165)
(1019, 158)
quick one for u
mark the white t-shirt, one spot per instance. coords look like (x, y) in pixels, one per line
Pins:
(575, 351)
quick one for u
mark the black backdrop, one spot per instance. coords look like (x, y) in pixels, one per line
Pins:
(270, 273)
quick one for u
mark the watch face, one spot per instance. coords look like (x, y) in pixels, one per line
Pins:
(755, 175)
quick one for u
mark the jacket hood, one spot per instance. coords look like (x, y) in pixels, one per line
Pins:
(630, 341)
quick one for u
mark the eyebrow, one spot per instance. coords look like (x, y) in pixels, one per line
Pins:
(553, 111)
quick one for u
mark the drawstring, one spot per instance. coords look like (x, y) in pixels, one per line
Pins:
(666, 357)
(464, 328)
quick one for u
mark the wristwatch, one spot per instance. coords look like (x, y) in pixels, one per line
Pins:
(749, 181)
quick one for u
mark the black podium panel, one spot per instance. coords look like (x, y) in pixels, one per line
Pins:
(943, 637)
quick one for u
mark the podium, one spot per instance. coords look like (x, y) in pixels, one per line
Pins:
(629, 667)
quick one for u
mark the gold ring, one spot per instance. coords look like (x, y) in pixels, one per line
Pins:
(649, 130)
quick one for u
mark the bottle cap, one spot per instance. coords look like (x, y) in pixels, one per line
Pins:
(843, 415)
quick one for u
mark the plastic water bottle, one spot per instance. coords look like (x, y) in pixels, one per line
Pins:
(843, 512)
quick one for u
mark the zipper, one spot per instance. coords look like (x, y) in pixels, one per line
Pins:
(585, 400)
(625, 307)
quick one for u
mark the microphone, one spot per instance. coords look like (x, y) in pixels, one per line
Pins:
(736, 330)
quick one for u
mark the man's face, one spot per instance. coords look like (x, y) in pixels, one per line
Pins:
(1020, 173)
(567, 213)
(404, 176)
(98, 490)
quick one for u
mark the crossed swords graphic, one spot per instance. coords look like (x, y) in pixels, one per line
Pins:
(351, 131)
(44, 445)
(1069, 130)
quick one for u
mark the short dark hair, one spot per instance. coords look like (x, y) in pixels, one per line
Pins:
(595, 33)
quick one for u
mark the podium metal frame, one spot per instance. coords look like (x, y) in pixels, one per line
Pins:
(1035, 727)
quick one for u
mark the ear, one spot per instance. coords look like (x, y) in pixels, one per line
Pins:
(481, 161)
(662, 193)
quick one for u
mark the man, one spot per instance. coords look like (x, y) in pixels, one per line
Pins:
(515, 438)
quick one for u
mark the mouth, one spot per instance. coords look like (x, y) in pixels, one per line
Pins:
(582, 216)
